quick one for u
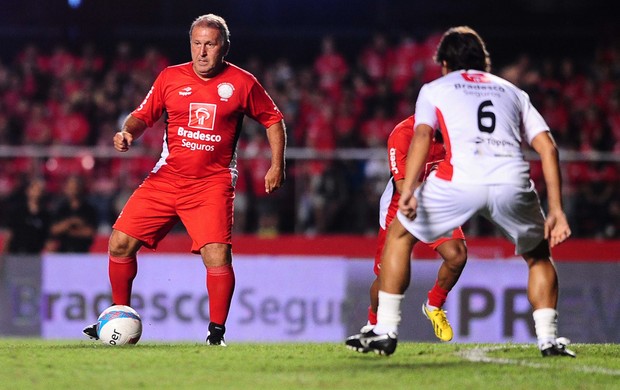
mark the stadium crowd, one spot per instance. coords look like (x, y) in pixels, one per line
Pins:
(344, 99)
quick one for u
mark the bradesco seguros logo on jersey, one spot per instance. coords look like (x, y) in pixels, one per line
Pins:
(475, 77)
(202, 115)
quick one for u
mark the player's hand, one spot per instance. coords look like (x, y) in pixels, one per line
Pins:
(274, 179)
(122, 141)
(408, 204)
(557, 229)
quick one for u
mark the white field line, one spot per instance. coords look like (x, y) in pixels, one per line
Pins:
(479, 354)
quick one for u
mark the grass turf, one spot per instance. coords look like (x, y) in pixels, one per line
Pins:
(38, 364)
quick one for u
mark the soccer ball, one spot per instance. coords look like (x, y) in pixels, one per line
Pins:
(119, 325)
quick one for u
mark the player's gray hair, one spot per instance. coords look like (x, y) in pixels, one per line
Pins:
(213, 21)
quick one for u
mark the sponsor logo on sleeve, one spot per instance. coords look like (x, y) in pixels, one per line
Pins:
(393, 165)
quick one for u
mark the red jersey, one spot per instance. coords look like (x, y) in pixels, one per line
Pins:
(204, 118)
(398, 147)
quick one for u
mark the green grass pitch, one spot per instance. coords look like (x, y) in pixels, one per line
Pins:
(38, 364)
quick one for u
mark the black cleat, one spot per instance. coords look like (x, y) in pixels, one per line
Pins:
(216, 335)
(91, 331)
(558, 349)
(382, 344)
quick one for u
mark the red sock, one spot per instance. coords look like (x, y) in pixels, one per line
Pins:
(220, 287)
(437, 296)
(122, 271)
(372, 316)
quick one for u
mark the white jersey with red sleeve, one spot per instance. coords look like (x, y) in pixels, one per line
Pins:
(482, 118)
(204, 118)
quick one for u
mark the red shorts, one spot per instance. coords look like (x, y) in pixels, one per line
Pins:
(456, 235)
(205, 206)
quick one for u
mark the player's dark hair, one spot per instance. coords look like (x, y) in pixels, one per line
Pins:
(462, 48)
(213, 21)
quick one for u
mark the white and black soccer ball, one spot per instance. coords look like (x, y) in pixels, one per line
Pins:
(119, 325)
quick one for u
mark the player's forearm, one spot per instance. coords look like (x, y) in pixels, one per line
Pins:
(553, 180)
(134, 126)
(276, 136)
(543, 144)
(417, 155)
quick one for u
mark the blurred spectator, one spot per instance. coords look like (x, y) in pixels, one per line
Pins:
(557, 116)
(123, 59)
(346, 124)
(595, 134)
(613, 120)
(320, 132)
(70, 126)
(152, 63)
(61, 63)
(332, 68)
(74, 220)
(382, 99)
(429, 69)
(405, 65)
(376, 129)
(375, 58)
(91, 63)
(263, 206)
(612, 229)
(549, 81)
(406, 103)
(28, 219)
(331, 197)
(571, 79)
(38, 128)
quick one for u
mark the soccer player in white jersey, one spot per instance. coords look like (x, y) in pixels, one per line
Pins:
(483, 120)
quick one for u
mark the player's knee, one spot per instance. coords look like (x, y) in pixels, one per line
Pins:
(455, 255)
(122, 245)
(216, 255)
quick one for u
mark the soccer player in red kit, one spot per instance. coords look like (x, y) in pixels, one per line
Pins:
(452, 250)
(204, 102)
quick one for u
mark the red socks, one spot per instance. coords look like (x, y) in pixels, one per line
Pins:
(372, 316)
(437, 296)
(122, 271)
(220, 287)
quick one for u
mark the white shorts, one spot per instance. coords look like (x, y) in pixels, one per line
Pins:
(444, 206)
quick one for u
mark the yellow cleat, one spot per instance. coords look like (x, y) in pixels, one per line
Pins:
(441, 326)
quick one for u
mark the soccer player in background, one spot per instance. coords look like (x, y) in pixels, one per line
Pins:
(204, 102)
(452, 249)
(483, 119)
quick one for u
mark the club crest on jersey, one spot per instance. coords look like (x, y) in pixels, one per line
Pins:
(225, 90)
(185, 91)
(475, 77)
(202, 115)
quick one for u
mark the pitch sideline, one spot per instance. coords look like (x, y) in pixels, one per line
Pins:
(479, 354)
